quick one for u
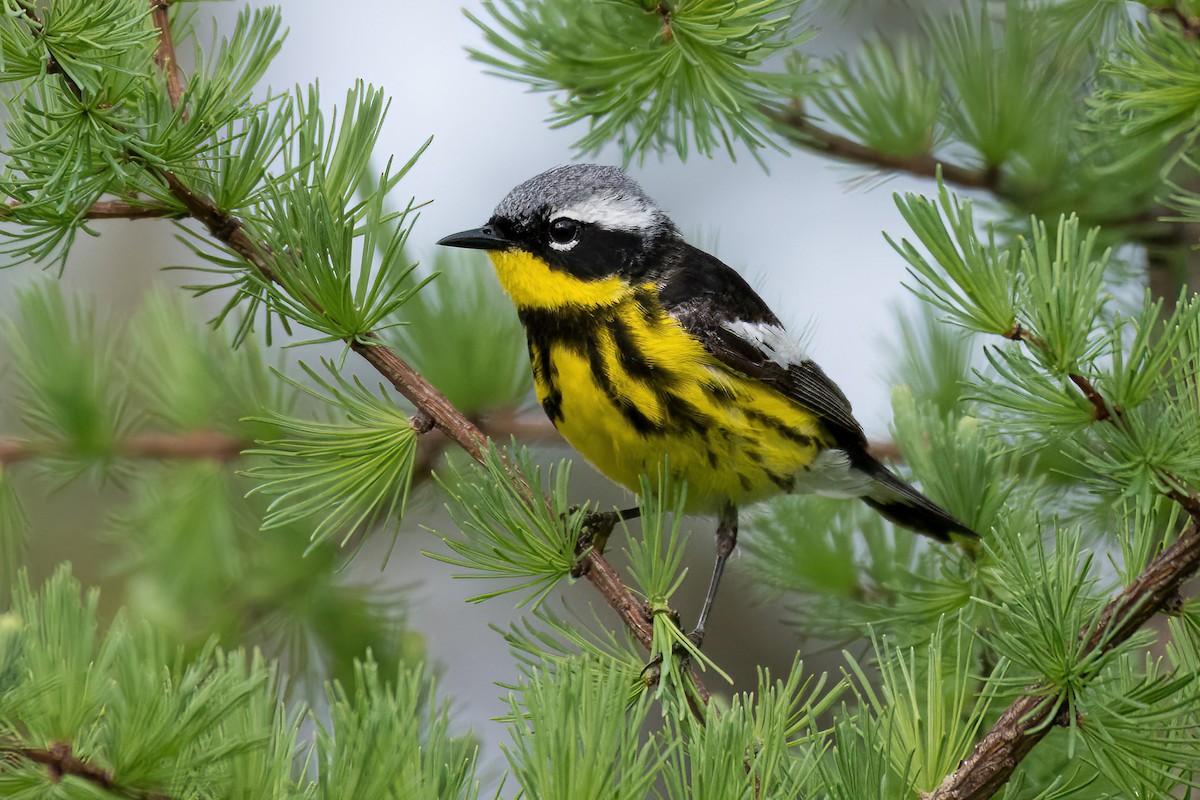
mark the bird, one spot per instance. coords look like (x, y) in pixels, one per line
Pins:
(643, 346)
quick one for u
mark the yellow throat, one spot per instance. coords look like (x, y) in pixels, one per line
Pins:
(531, 283)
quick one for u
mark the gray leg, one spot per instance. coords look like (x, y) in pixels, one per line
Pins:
(727, 529)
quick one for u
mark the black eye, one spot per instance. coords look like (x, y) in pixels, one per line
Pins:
(564, 231)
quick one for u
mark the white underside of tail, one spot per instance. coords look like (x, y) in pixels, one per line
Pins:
(831, 474)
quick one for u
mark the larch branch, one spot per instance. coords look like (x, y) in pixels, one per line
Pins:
(1024, 723)
(123, 209)
(164, 54)
(154, 445)
(801, 130)
(194, 445)
(60, 761)
(216, 446)
(1189, 25)
(1101, 410)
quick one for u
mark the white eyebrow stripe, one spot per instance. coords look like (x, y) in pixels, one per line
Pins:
(774, 342)
(614, 213)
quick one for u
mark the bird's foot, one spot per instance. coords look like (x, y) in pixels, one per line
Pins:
(652, 673)
(681, 657)
(593, 535)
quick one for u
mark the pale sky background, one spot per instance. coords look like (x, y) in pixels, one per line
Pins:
(810, 243)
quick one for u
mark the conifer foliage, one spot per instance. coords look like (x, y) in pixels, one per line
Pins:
(1049, 397)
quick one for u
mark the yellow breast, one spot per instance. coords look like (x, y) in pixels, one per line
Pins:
(626, 385)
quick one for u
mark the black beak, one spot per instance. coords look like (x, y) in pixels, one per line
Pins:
(485, 238)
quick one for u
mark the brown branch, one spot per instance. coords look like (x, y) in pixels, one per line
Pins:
(1102, 411)
(418, 391)
(1024, 723)
(217, 446)
(52, 65)
(508, 424)
(885, 451)
(121, 209)
(161, 446)
(60, 761)
(164, 54)
(498, 427)
(799, 128)
(1100, 408)
(230, 230)
(664, 11)
(195, 445)
(1189, 26)
(13, 451)
(108, 209)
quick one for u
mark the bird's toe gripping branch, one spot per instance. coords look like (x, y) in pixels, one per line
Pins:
(597, 527)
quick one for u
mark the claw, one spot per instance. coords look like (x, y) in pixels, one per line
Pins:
(593, 535)
(597, 527)
(651, 674)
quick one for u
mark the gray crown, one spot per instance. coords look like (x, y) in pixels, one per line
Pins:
(607, 190)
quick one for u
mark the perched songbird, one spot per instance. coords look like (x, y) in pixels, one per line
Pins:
(643, 346)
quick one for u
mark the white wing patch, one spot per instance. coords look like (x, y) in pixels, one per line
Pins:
(775, 342)
(612, 212)
(831, 474)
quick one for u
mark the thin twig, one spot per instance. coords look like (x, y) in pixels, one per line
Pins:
(52, 66)
(498, 428)
(108, 209)
(458, 428)
(60, 761)
(885, 451)
(164, 54)
(1189, 26)
(121, 209)
(1105, 411)
(1102, 411)
(408, 382)
(212, 445)
(797, 126)
(195, 445)
(161, 446)
(664, 11)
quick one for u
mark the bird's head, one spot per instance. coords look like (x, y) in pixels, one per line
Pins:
(574, 235)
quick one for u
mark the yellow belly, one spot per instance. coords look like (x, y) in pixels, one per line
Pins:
(732, 439)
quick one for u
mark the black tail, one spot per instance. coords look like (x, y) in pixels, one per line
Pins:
(904, 505)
